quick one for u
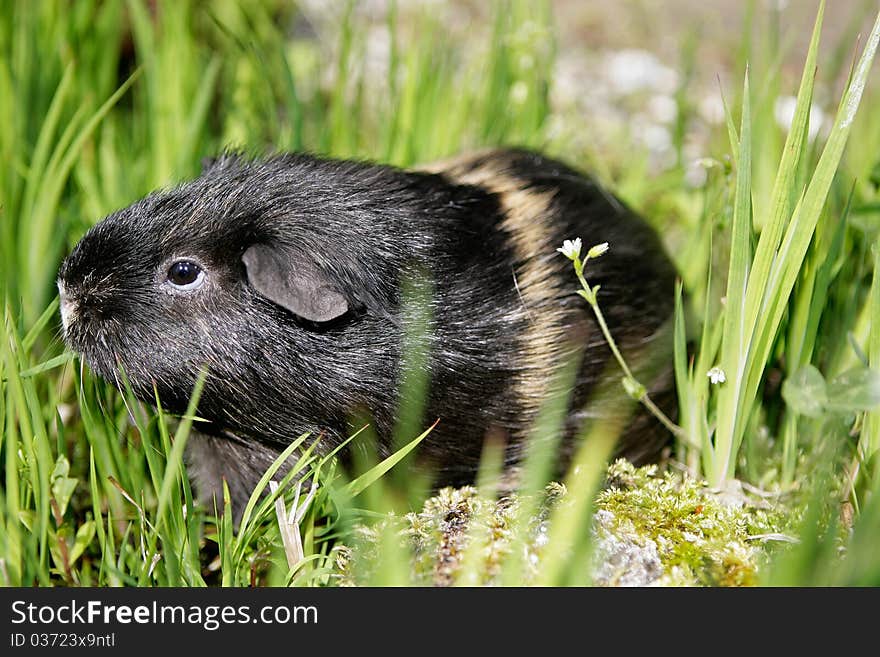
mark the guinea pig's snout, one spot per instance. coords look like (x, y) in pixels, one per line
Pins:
(68, 306)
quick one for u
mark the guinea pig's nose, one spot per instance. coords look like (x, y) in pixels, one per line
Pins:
(68, 306)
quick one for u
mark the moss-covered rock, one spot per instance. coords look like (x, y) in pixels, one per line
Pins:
(667, 528)
(649, 528)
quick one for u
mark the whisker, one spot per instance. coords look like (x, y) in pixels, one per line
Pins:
(521, 300)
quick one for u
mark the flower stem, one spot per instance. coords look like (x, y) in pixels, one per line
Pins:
(639, 390)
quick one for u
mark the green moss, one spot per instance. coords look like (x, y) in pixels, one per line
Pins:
(702, 537)
(650, 528)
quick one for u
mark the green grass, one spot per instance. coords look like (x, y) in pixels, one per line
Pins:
(102, 102)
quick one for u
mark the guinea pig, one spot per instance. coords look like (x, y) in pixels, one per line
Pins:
(282, 277)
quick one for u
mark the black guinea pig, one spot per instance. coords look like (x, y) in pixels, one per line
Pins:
(283, 276)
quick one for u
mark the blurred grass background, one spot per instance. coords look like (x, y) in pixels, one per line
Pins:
(102, 102)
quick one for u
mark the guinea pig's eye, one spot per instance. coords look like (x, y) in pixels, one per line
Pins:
(185, 275)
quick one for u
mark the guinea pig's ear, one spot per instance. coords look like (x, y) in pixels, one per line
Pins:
(293, 283)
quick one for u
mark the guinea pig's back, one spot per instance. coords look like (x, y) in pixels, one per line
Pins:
(541, 203)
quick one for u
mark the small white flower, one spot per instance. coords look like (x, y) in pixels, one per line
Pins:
(571, 249)
(597, 250)
(716, 375)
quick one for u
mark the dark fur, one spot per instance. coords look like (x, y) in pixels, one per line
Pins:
(273, 376)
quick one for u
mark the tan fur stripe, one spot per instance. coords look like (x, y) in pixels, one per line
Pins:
(527, 217)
